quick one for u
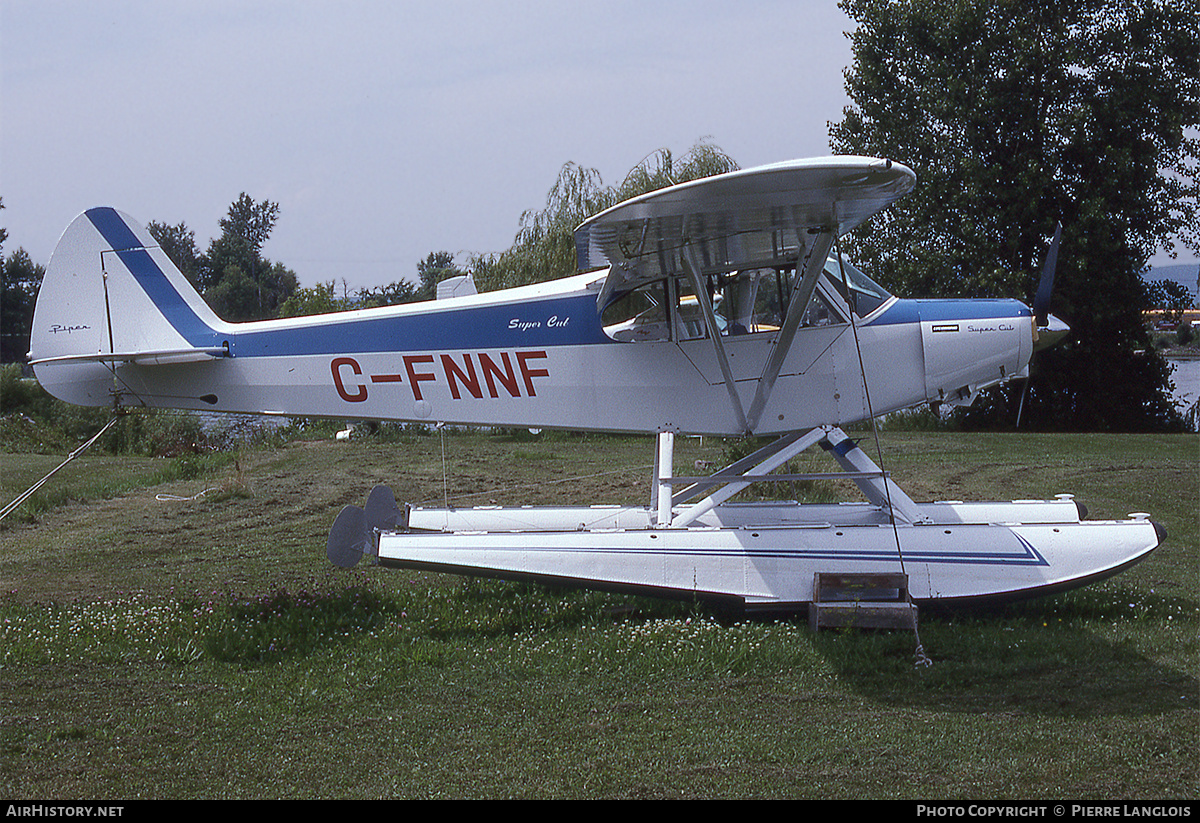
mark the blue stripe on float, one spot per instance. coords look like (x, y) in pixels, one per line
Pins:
(1023, 554)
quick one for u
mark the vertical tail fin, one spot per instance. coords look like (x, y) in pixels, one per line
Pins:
(110, 296)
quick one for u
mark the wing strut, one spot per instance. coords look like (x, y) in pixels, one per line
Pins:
(797, 305)
(710, 319)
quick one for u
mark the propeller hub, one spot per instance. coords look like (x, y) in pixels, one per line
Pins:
(1049, 333)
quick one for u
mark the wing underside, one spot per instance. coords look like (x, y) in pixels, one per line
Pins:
(754, 218)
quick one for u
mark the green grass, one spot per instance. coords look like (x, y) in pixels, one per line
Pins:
(174, 648)
(90, 478)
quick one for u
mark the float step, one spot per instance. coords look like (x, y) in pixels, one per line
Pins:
(867, 601)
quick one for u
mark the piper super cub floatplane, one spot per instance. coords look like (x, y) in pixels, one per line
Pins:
(716, 307)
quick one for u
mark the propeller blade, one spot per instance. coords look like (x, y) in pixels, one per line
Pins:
(1041, 300)
(1048, 328)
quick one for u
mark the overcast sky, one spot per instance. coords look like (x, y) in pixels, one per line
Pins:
(387, 130)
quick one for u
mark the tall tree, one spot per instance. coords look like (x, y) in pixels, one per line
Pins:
(544, 247)
(1016, 116)
(18, 292)
(19, 283)
(250, 222)
(237, 281)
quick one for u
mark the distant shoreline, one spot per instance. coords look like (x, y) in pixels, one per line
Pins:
(1185, 274)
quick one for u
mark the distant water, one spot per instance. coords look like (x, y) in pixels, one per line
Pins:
(244, 423)
(1186, 377)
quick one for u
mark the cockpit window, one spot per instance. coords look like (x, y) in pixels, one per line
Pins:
(638, 315)
(865, 294)
(744, 302)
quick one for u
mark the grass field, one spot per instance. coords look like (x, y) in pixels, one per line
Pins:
(156, 646)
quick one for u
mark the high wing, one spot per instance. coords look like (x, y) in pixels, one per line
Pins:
(781, 215)
(745, 219)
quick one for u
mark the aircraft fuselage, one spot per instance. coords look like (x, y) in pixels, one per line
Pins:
(540, 356)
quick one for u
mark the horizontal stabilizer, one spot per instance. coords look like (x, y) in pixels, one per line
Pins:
(166, 357)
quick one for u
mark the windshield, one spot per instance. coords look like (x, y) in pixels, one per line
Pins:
(865, 294)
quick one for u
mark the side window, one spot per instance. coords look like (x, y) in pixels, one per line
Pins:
(772, 293)
(819, 312)
(747, 305)
(689, 315)
(640, 314)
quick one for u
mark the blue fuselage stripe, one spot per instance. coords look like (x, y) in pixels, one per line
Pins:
(554, 321)
(937, 311)
(563, 321)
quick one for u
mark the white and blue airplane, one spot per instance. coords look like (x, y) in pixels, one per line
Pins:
(720, 307)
